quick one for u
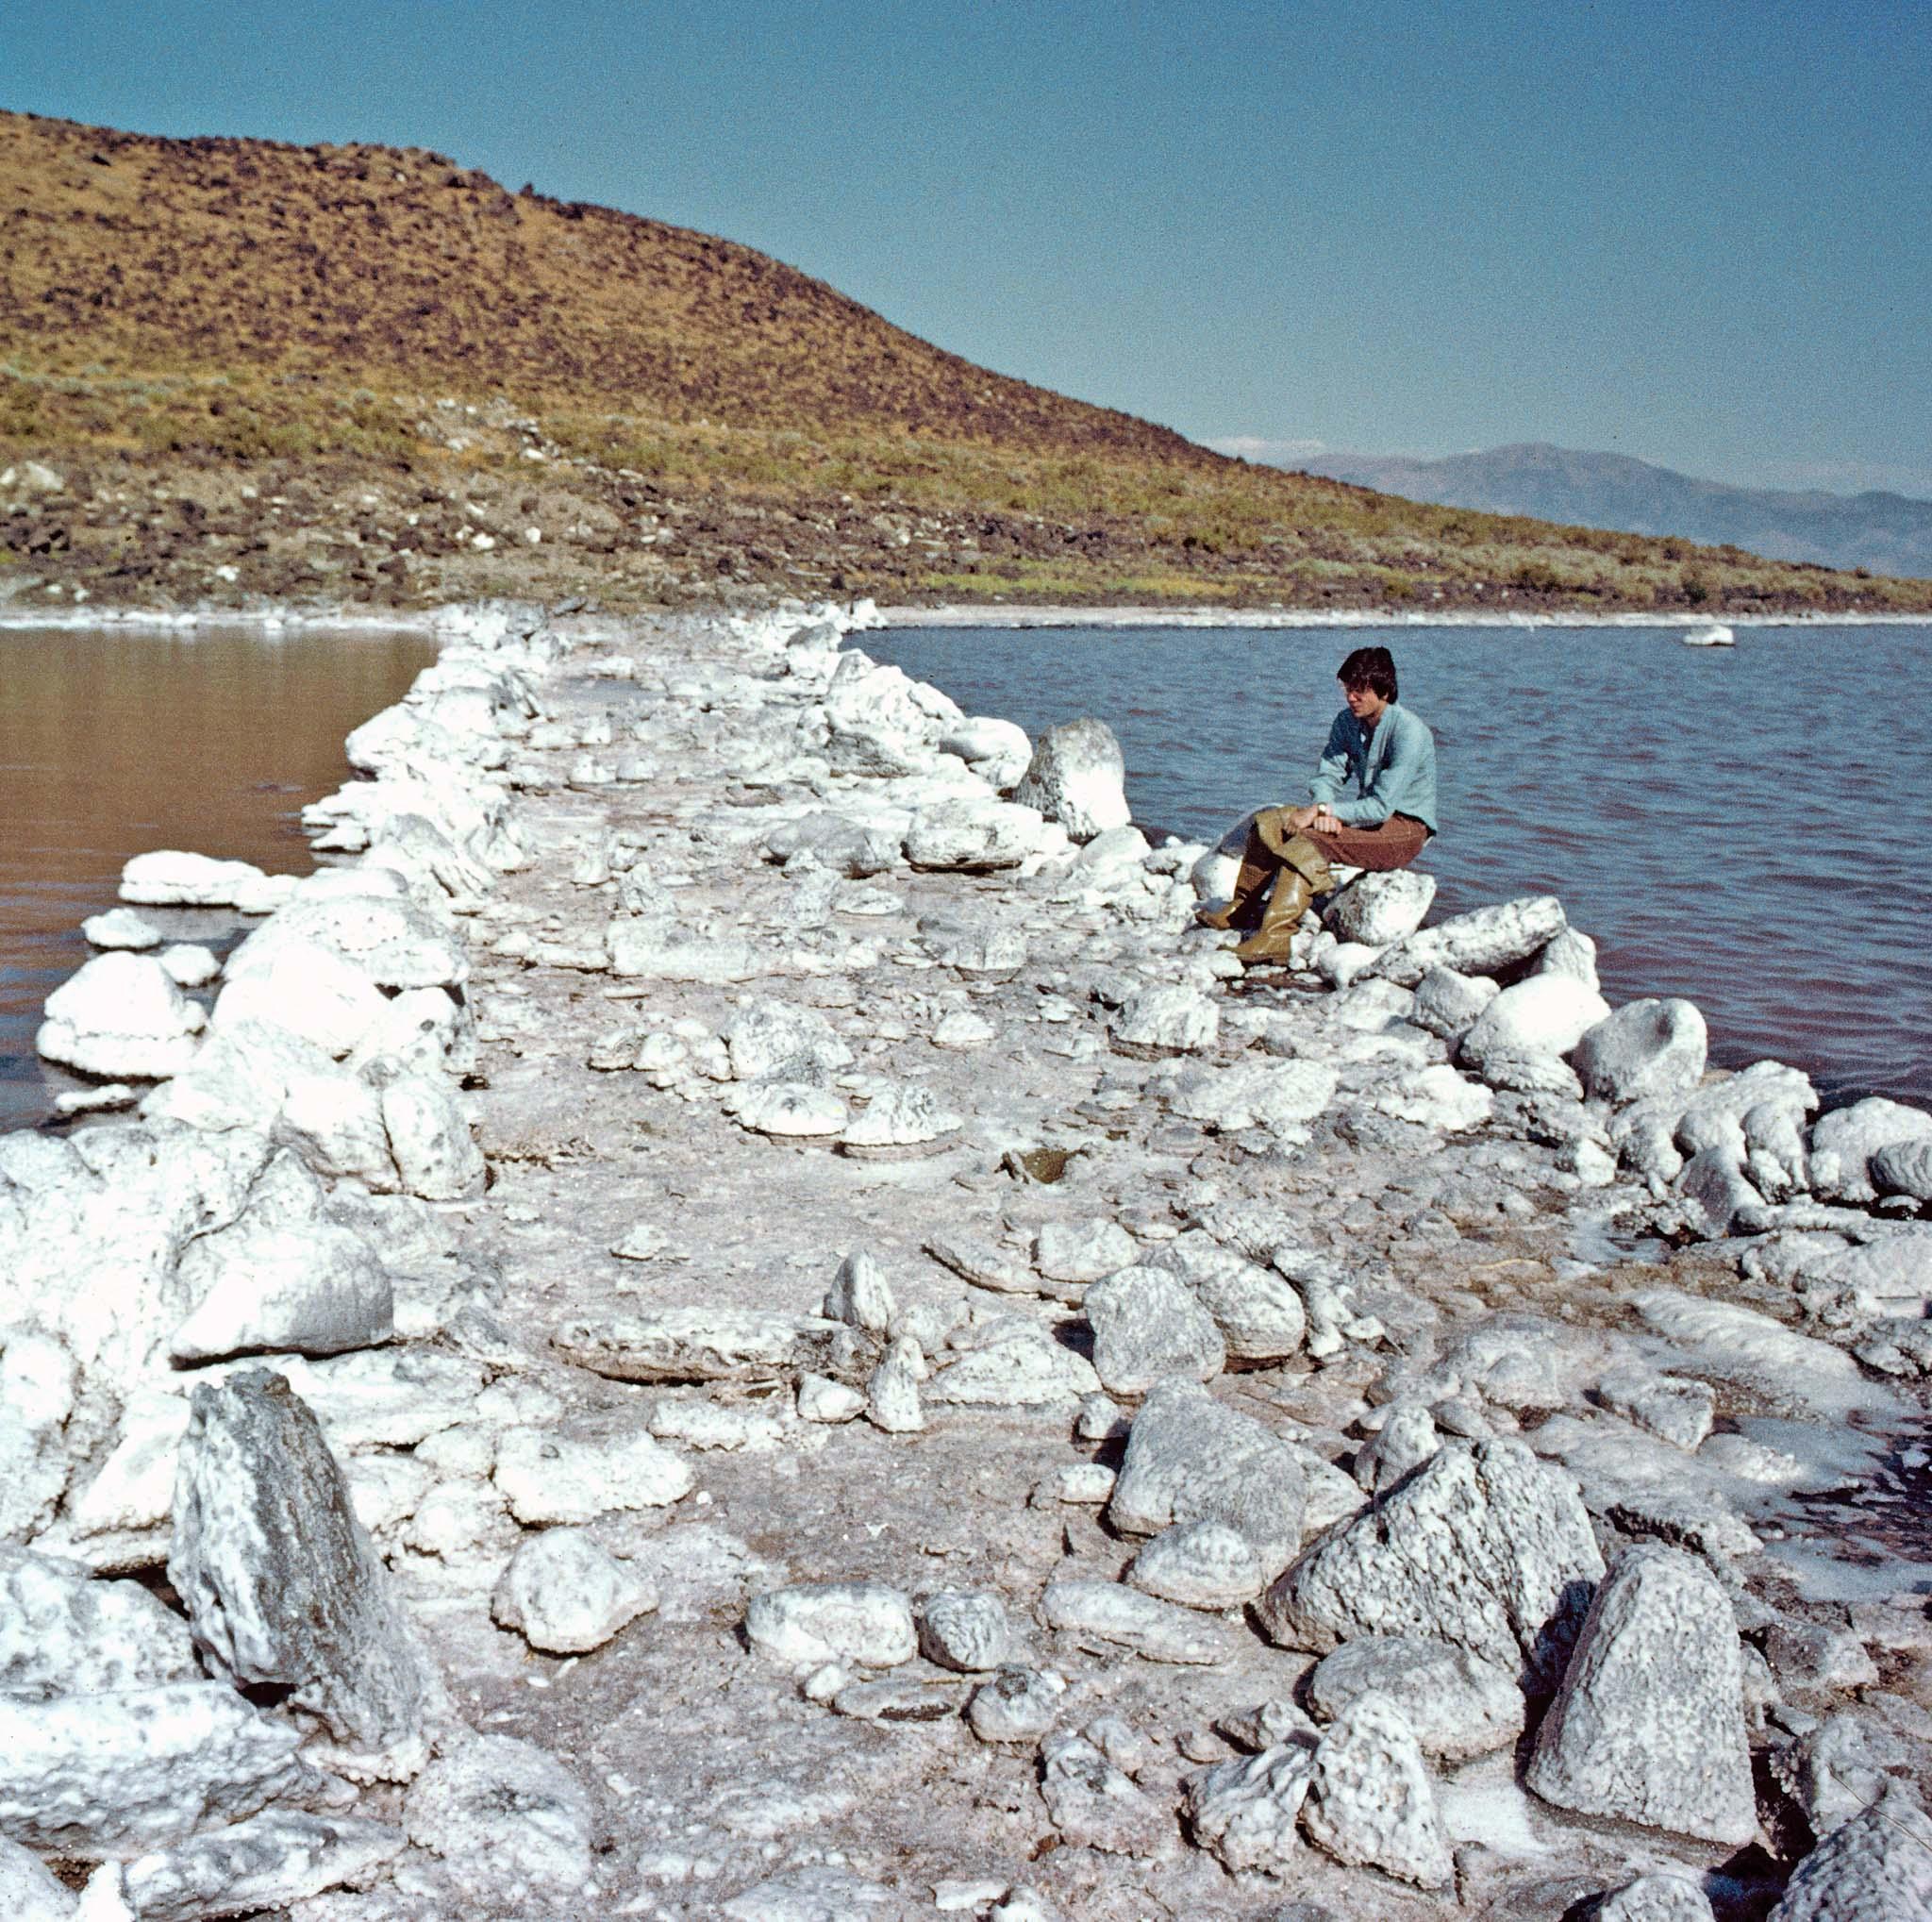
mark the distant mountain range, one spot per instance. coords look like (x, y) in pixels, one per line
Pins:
(1885, 532)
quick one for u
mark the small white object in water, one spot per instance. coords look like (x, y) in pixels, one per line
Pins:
(1716, 635)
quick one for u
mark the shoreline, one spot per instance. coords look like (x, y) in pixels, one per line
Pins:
(944, 615)
(748, 975)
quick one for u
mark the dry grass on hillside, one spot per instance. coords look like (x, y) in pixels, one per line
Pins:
(372, 328)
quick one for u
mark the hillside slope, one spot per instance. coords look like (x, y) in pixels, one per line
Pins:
(1888, 533)
(232, 368)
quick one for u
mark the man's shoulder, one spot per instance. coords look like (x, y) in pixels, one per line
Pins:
(1409, 722)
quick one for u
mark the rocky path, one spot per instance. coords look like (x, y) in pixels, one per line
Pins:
(738, 1315)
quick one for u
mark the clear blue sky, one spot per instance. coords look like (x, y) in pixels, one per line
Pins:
(1696, 233)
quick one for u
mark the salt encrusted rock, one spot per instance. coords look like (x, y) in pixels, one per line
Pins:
(964, 1630)
(1447, 1003)
(1369, 1797)
(429, 1136)
(1530, 1071)
(394, 943)
(1189, 1459)
(1482, 1547)
(510, 1825)
(901, 1120)
(1378, 910)
(1438, 1098)
(1245, 1811)
(1902, 1167)
(817, 1895)
(1258, 1312)
(860, 1295)
(657, 951)
(281, 1275)
(1252, 1094)
(306, 989)
(698, 1345)
(788, 1110)
(982, 1264)
(1013, 1363)
(113, 1774)
(1738, 1343)
(1406, 1440)
(962, 1031)
(1543, 1014)
(1645, 1048)
(1681, 1412)
(1157, 1629)
(972, 836)
(1571, 954)
(28, 1892)
(974, 947)
(1806, 1656)
(996, 748)
(62, 1632)
(863, 1623)
(1842, 1143)
(1017, 1705)
(892, 1395)
(1083, 1250)
(566, 1595)
(776, 1041)
(1146, 1325)
(1165, 1021)
(1477, 942)
(169, 880)
(1649, 1724)
(117, 1017)
(121, 927)
(821, 1400)
(1655, 1898)
(279, 1580)
(1096, 1805)
(1455, 1703)
(1876, 1868)
(1077, 777)
(548, 1477)
(847, 846)
(709, 1424)
(1201, 1566)
(266, 1863)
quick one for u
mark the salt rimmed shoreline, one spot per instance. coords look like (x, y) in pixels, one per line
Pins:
(1378, 1222)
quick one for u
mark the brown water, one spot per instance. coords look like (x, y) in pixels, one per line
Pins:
(113, 742)
(1748, 827)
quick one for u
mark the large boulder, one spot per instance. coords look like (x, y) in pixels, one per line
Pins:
(1478, 943)
(98, 1775)
(1842, 1143)
(1544, 1014)
(1649, 1724)
(168, 878)
(1457, 1704)
(121, 1016)
(1876, 1868)
(1077, 776)
(280, 1582)
(1189, 1459)
(1148, 1323)
(1370, 1799)
(1380, 908)
(1482, 1547)
(1644, 1048)
(974, 837)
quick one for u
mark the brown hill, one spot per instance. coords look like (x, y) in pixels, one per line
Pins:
(258, 368)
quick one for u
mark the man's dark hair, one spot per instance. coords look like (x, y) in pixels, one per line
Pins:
(1369, 667)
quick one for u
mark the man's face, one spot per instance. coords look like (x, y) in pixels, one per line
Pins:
(1365, 704)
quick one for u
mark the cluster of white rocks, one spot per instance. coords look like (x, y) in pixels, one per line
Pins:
(1165, 1449)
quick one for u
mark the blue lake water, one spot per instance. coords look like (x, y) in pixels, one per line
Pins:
(1748, 827)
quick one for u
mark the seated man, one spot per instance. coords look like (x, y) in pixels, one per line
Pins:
(1374, 806)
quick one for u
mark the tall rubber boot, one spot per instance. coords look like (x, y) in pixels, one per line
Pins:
(1269, 943)
(1257, 864)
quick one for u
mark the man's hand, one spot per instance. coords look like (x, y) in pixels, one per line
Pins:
(1316, 815)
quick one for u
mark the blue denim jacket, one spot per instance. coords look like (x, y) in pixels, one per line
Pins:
(1391, 771)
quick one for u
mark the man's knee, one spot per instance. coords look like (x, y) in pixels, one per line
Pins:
(1271, 825)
